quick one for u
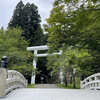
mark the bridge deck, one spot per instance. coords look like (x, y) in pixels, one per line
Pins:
(53, 94)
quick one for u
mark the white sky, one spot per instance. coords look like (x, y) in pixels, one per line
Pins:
(7, 7)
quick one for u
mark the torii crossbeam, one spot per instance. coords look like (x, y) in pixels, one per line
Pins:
(36, 55)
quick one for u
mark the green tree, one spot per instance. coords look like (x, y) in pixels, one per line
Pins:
(70, 23)
(14, 46)
(17, 18)
(28, 18)
(76, 25)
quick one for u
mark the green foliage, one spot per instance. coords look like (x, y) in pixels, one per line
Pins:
(31, 86)
(70, 86)
(74, 28)
(27, 17)
(70, 27)
(14, 46)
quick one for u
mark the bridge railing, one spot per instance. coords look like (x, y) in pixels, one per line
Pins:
(15, 80)
(91, 82)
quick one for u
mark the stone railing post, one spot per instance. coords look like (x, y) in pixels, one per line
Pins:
(3, 77)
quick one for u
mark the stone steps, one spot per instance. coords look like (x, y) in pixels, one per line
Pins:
(45, 86)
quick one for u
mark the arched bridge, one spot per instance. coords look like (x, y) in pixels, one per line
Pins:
(91, 82)
(16, 80)
(11, 80)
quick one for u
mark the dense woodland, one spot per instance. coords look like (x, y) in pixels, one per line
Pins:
(24, 30)
(73, 26)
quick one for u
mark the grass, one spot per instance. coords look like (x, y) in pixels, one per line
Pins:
(31, 86)
(70, 86)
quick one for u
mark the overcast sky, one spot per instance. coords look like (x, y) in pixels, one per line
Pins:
(7, 7)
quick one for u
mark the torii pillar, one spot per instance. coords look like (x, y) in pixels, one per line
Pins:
(36, 55)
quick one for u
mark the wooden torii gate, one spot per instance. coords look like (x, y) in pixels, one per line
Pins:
(36, 55)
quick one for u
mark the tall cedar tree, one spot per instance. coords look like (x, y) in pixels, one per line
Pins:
(27, 17)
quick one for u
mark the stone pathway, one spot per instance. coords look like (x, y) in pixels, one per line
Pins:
(45, 86)
(53, 94)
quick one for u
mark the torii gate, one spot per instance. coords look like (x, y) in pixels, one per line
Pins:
(36, 55)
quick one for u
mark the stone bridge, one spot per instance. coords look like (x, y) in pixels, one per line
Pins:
(11, 80)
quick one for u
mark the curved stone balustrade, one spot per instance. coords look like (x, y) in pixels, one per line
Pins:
(91, 82)
(15, 80)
